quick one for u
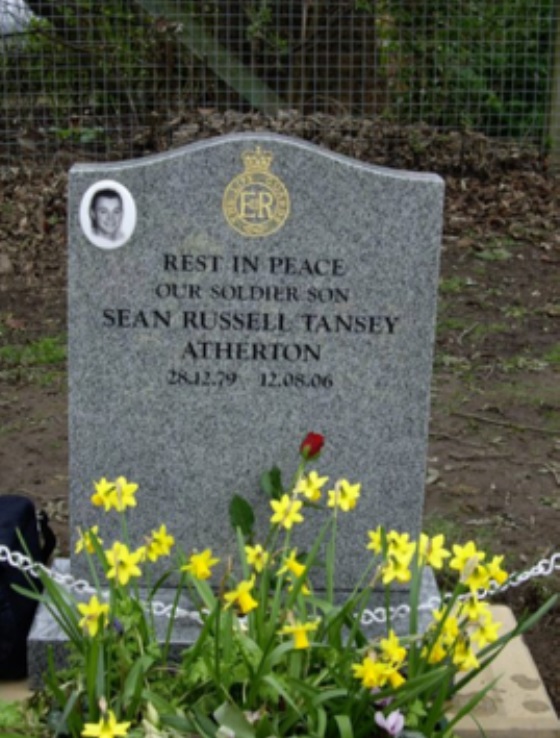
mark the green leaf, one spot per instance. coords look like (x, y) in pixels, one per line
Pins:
(135, 680)
(231, 717)
(10, 716)
(241, 515)
(344, 726)
(271, 483)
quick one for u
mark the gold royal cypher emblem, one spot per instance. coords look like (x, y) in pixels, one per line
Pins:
(256, 203)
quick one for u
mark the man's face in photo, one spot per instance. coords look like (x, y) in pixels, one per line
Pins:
(107, 215)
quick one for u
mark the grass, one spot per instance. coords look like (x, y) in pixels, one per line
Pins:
(453, 285)
(43, 352)
(39, 361)
(552, 356)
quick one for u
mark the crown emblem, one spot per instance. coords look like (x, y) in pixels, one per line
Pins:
(257, 160)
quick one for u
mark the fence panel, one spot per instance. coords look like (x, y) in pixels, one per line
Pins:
(116, 78)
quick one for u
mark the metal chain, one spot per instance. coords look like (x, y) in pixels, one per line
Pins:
(544, 568)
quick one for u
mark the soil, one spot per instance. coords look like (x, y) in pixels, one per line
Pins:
(494, 455)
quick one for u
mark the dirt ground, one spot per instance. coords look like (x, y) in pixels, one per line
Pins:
(494, 456)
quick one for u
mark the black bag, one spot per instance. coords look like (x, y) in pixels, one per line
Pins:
(23, 530)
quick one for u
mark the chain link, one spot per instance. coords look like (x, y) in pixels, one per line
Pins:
(544, 568)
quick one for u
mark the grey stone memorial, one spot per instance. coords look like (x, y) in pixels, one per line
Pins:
(228, 297)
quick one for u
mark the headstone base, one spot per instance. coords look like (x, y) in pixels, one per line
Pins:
(46, 635)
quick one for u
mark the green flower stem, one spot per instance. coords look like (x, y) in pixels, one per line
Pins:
(296, 661)
(169, 629)
(424, 664)
(414, 601)
(331, 558)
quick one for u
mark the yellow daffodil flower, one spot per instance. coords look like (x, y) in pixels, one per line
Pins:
(391, 649)
(123, 563)
(436, 653)
(299, 632)
(466, 558)
(286, 512)
(487, 632)
(257, 557)
(292, 565)
(495, 570)
(475, 609)
(450, 630)
(374, 674)
(399, 545)
(310, 486)
(159, 543)
(93, 613)
(475, 576)
(85, 541)
(396, 569)
(103, 496)
(431, 550)
(375, 540)
(107, 727)
(124, 494)
(200, 564)
(464, 657)
(395, 678)
(344, 496)
(242, 597)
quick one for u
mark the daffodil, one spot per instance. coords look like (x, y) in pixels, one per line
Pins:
(432, 551)
(200, 564)
(464, 657)
(94, 612)
(300, 633)
(86, 539)
(310, 486)
(400, 545)
(372, 672)
(495, 570)
(391, 649)
(257, 557)
(449, 626)
(124, 494)
(159, 543)
(107, 727)
(375, 540)
(103, 495)
(242, 597)
(466, 558)
(396, 569)
(286, 511)
(344, 495)
(292, 565)
(475, 576)
(487, 632)
(436, 652)
(475, 609)
(123, 564)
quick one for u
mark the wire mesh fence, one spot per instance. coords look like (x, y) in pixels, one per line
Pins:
(119, 77)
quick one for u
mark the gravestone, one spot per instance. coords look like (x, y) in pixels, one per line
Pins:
(228, 297)
(224, 300)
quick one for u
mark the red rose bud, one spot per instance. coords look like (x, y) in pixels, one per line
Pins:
(311, 446)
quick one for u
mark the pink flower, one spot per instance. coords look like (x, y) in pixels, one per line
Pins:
(393, 723)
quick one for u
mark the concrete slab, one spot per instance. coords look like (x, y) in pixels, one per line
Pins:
(519, 705)
(15, 691)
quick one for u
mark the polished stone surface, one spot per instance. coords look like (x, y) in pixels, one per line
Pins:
(241, 304)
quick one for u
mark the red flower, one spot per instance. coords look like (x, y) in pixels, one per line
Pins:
(311, 446)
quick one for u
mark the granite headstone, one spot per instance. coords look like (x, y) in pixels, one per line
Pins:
(228, 297)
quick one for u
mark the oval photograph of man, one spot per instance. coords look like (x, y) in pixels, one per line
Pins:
(108, 214)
